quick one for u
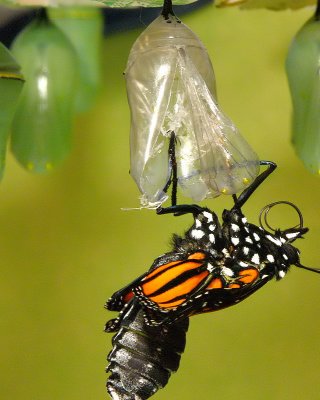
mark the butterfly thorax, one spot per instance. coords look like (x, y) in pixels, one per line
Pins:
(205, 234)
(271, 253)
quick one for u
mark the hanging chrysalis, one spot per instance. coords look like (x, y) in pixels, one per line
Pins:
(83, 27)
(303, 70)
(11, 83)
(42, 127)
(171, 89)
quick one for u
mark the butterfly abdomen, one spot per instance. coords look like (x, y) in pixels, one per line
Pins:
(143, 357)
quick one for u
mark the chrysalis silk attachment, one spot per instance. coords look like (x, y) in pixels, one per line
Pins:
(171, 88)
(42, 126)
(303, 71)
(11, 83)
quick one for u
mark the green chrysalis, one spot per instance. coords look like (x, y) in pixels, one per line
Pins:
(11, 83)
(42, 127)
(83, 27)
(303, 70)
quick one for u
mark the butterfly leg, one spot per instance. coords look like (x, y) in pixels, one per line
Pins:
(117, 301)
(113, 325)
(173, 166)
(167, 9)
(244, 196)
(174, 208)
(180, 209)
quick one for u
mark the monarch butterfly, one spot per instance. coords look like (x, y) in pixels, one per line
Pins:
(11, 83)
(42, 126)
(171, 88)
(302, 67)
(213, 266)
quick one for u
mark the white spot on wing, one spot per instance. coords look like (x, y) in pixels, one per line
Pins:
(285, 256)
(235, 240)
(208, 216)
(225, 252)
(210, 267)
(212, 227)
(255, 258)
(274, 240)
(245, 250)
(235, 227)
(197, 233)
(227, 271)
(292, 235)
(270, 258)
(244, 220)
(281, 274)
(213, 252)
(198, 223)
(243, 264)
(212, 238)
(248, 239)
(256, 236)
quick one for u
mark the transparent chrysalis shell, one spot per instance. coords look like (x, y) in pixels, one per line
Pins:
(11, 83)
(83, 26)
(303, 71)
(42, 126)
(171, 87)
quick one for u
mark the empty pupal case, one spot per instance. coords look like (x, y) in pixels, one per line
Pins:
(171, 88)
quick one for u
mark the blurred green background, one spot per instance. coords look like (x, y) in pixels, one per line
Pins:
(66, 246)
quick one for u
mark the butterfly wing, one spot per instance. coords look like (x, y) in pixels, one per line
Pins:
(171, 279)
(214, 298)
(170, 284)
(122, 296)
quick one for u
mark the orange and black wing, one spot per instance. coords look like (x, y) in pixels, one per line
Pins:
(171, 280)
(245, 282)
(169, 285)
(123, 296)
(211, 299)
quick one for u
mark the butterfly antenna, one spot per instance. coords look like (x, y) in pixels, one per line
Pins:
(263, 215)
(316, 270)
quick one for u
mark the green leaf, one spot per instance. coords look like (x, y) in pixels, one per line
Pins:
(11, 82)
(83, 26)
(108, 3)
(303, 72)
(140, 3)
(269, 4)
